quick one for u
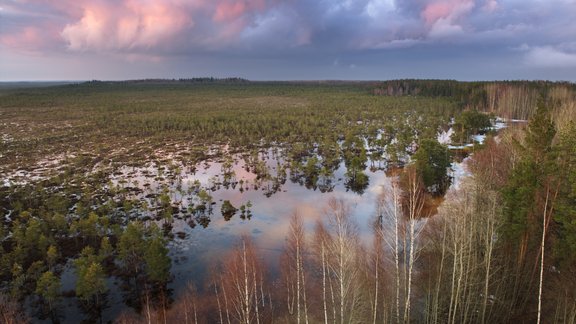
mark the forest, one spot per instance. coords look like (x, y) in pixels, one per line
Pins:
(208, 200)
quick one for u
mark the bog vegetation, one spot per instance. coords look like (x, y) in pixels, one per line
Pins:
(498, 246)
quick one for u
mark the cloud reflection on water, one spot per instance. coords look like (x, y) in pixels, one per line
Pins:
(270, 222)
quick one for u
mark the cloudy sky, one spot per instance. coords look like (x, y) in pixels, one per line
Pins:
(288, 39)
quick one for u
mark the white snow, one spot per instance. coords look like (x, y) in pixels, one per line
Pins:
(459, 147)
(479, 138)
(459, 171)
(445, 136)
(499, 124)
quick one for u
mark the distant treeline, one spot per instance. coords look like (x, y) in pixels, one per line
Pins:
(358, 85)
(187, 80)
(511, 99)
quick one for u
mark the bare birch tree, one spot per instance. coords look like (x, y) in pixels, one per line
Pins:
(338, 247)
(389, 211)
(413, 207)
(321, 241)
(466, 236)
(293, 272)
(241, 284)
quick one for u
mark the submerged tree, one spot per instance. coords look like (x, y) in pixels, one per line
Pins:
(156, 257)
(90, 283)
(228, 210)
(131, 249)
(48, 288)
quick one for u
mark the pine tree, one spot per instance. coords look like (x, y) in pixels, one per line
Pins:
(156, 258)
(432, 160)
(131, 248)
(48, 287)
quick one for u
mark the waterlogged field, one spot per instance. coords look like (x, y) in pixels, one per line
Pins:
(203, 237)
(195, 166)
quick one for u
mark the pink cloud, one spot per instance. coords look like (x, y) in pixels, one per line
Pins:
(435, 11)
(22, 39)
(490, 5)
(132, 25)
(31, 39)
(446, 9)
(443, 18)
(228, 10)
(128, 25)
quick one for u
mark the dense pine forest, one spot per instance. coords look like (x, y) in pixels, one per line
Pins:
(103, 183)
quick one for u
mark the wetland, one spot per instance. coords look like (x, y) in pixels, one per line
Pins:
(125, 201)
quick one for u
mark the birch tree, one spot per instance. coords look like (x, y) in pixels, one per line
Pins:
(243, 280)
(344, 263)
(294, 274)
(389, 214)
(413, 200)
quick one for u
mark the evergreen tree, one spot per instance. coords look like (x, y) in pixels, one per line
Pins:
(131, 248)
(432, 160)
(106, 250)
(52, 256)
(90, 282)
(527, 182)
(156, 258)
(468, 123)
(566, 208)
(48, 287)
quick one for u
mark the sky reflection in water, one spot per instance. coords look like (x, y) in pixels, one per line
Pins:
(269, 224)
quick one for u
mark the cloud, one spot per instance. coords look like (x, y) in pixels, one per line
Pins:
(277, 29)
(234, 9)
(443, 18)
(436, 11)
(135, 26)
(104, 26)
(443, 28)
(28, 39)
(297, 32)
(32, 40)
(491, 5)
(377, 8)
(159, 27)
(549, 57)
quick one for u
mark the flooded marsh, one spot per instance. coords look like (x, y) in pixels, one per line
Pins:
(118, 197)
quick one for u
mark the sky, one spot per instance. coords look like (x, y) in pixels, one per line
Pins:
(288, 39)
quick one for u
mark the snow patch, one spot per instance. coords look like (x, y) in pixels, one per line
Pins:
(445, 136)
(459, 147)
(479, 138)
(459, 171)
